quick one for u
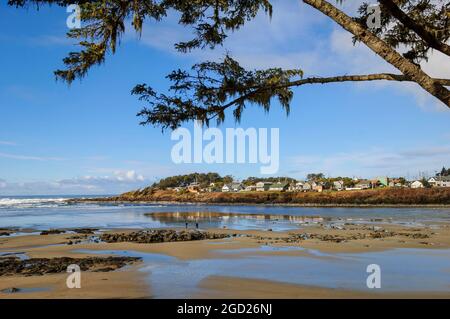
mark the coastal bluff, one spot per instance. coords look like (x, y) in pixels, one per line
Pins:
(370, 197)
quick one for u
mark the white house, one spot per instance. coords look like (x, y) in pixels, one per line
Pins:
(233, 187)
(280, 186)
(263, 186)
(338, 185)
(250, 188)
(440, 181)
(417, 184)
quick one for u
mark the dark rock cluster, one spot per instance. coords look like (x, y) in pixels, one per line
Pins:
(160, 236)
(52, 232)
(42, 266)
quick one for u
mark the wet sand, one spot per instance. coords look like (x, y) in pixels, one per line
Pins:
(129, 282)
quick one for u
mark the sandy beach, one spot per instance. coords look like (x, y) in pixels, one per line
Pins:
(130, 281)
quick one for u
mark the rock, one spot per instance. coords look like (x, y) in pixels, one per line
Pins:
(87, 231)
(161, 235)
(52, 232)
(10, 290)
(4, 234)
(42, 266)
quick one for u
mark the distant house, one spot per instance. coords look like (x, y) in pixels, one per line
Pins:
(440, 181)
(395, 182)
(417, 184)
(193, 187)
(383, 181)
(318, 188)
(338, 185)
(263, 186)
(279, 186)
(233, 187)
(363, 184)
(307, 186)
(250, 188)
(297, 187)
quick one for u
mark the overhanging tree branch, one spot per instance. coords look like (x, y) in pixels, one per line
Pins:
(381, 48)
(418, 28)
(212, 88)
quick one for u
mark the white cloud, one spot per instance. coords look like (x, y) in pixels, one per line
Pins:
(118, 182)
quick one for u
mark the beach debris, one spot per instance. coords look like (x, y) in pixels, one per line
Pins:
(42, 266)
(160, 236)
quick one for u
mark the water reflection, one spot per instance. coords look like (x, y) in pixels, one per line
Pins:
(232, 220)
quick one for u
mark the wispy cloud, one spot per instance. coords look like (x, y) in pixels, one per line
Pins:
(117, 182)
(30, 158)
(9, 143)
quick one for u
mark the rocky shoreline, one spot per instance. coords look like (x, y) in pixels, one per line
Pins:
(160, 236)
(12, 265)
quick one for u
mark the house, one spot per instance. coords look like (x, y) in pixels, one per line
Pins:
(279, 186)
(193, 187)
(307, 186)
(363, 184)
(383, 181)
(263, 186)
(440, 181)
(296, 187)
(250, 188)
(417, 184)
(318, 188)
(233, 187)
(338, 185)
(395, 182)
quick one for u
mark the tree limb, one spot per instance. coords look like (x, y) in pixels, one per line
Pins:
(409, 69)
(410, 23)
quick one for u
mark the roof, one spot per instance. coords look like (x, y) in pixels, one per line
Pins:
(279, 185)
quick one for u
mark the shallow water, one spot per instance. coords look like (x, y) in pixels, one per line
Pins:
(45, 213)
(412, 270)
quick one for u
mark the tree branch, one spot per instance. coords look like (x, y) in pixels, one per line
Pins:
(410, 23)
(409, 69)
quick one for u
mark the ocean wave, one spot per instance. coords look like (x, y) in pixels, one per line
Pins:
(31, 202)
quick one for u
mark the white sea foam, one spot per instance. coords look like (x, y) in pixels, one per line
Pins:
(30, 202)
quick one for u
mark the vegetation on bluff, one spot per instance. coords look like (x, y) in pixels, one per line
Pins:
(383, 196)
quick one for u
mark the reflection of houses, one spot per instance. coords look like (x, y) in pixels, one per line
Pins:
(440, 181)
(338, 185)
(279, 186)
(417, 184)
(263, 186)
(233, 187)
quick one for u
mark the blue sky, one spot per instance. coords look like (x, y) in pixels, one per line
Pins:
(85, 139)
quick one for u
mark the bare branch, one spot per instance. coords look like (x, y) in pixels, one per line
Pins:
(381, 48)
